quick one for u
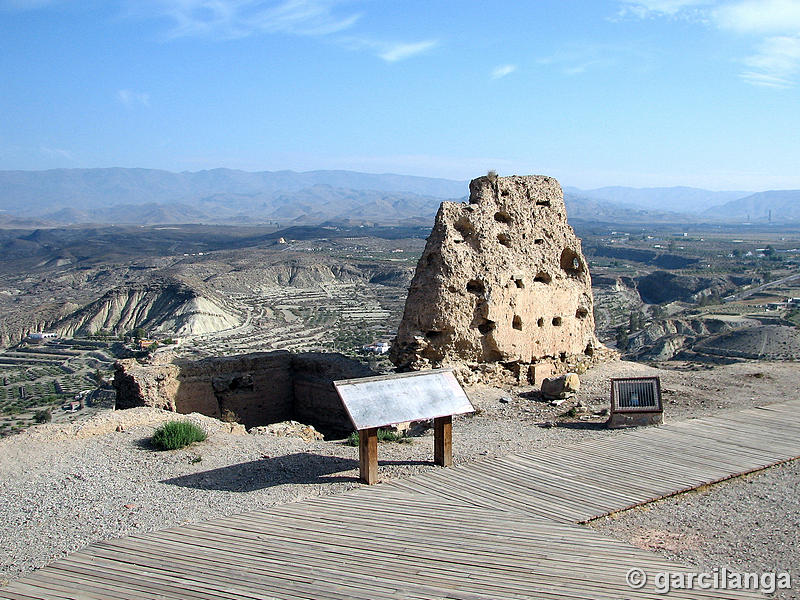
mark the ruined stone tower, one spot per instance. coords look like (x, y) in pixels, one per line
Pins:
(502, 280)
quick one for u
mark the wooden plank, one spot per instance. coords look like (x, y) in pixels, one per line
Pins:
(491, 538)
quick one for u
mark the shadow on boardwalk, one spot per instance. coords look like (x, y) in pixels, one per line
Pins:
(300, 467)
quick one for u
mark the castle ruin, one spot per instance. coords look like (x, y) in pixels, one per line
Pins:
(258, 388)
(502, 284)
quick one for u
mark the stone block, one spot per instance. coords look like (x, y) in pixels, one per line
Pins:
(563, 386)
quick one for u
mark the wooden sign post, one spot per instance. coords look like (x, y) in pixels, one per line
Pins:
(368, 455)
(443, 441)
(373, 402)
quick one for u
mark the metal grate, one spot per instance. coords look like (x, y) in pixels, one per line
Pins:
(636, 394)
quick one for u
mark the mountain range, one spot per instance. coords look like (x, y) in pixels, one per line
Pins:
(287, 198)
(673, 199)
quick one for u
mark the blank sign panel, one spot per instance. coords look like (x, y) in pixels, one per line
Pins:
(378, 401)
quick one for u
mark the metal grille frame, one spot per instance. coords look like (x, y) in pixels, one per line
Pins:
(649, 387)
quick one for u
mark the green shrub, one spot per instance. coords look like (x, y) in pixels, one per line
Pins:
(42, 416)
(384, 435)
(177, 434)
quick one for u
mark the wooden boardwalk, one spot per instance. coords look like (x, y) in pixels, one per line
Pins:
(499, 529)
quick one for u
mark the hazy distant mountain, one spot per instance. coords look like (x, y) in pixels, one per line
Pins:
(12, 222)
(140, 214)
(148, 196)
(668, 199)
(34, 193)
(310, 206)
(784, 206)
(589, 209)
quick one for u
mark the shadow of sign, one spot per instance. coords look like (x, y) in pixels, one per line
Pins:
(297, 468)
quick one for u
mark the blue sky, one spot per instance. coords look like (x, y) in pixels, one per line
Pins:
(634, 92)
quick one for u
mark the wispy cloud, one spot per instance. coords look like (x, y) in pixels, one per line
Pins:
(775, 64)
(645, 9)
(577, 59)
(776, 59)
(760, 16)
(502, 70)
(235, 19)
(58, 152)
(231, 19)
(401, 51)
(390, 51)
(132, 99)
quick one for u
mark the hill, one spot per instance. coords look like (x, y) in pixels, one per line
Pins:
(289, 198)
(36, 193)
(582, 208)
(783, 206)
(663, 199)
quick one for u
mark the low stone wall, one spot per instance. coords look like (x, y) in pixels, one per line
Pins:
(259, 388)
(315, 399)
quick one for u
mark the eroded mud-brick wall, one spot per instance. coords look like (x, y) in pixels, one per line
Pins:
(502, 280)
(256, 389)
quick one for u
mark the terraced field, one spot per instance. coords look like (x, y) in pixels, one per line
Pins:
(340, 316)
(43, 377)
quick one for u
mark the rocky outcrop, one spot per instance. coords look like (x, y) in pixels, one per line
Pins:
(502, 280)
(661, 286)
(146, 385)
(662, 340)
(16, 325)
(255, 389)
(169, 307)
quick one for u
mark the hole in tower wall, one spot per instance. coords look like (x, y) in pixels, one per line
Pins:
(487, 327)
(516, 323)
(571, 262)
(464, 227)
(581, 313)
(519, 283)
(589, 350)
(557, 321)
(502, 217)
(538, 241)
(433, 335)
(504, 239)
(543, 277)
(543, 203)
(540, 322)
(476, 287)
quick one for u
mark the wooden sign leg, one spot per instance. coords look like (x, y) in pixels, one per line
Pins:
(443, 441)
(368, 455)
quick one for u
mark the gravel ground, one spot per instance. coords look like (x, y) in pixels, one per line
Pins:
(65, 487)
(747, 524)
